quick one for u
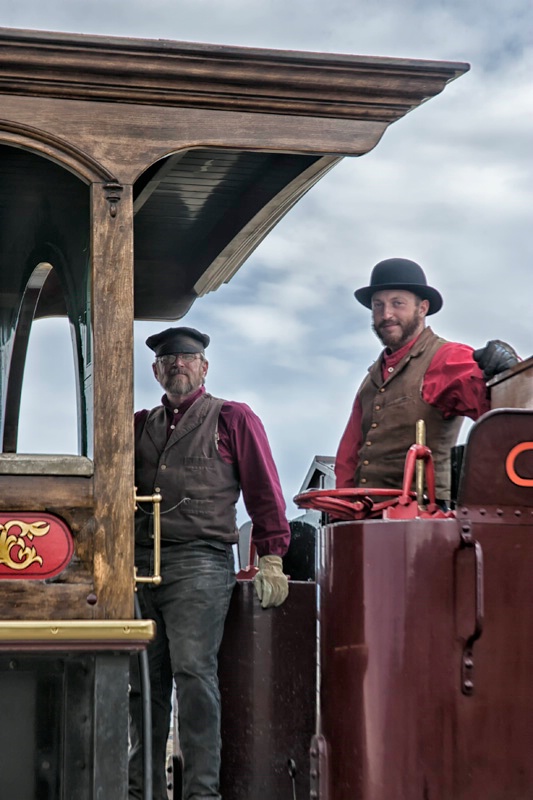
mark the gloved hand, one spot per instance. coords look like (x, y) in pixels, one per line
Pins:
(270, 583)
(495, 357)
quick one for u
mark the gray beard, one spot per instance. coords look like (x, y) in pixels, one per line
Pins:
(179, 385)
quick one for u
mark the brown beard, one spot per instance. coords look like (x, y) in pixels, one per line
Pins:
(409, 330)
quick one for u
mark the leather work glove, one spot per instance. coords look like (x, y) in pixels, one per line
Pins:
(271, 585)
(495, 357)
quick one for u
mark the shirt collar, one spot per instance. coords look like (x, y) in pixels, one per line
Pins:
(394, 358)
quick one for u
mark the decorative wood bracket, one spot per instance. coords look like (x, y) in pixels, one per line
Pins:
(112, 195)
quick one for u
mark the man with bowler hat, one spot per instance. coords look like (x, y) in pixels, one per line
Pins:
(199, 452)
(418, 375)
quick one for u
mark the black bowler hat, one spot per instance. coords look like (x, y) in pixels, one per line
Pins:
(178, 340)
(399, 273)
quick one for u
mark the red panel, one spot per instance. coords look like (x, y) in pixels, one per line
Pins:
(397, 604)
(33, 546)
(267, 673)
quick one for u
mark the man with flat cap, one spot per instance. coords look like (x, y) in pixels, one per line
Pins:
(417, 376)
(199, 452)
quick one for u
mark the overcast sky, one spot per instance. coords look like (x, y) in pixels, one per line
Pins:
(450, 186)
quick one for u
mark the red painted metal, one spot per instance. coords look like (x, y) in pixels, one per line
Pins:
(267, 672)
(33, 546)
(425, 638)
(249, 572)
(390, 651)
(360, 503)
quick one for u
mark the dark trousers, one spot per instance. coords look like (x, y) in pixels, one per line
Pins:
(189, 609)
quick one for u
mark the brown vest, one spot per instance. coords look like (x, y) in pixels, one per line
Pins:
(199, 490)
(391, 409)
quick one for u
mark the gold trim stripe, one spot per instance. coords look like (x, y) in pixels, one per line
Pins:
(78, 631)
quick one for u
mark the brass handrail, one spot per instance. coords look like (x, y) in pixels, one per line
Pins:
(155, 499)
(420, 471)
(72, 631)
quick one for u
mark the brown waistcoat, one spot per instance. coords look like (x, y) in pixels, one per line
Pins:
(391, 409)
(199, 490)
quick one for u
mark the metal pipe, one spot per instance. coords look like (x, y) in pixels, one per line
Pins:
(420, 439)
(146, 695)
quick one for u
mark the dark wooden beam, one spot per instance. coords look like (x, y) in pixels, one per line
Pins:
(165, 73)
(112, 395)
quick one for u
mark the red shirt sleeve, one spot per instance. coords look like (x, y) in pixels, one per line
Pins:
(350, 443)
(243, 441)
(454, 383)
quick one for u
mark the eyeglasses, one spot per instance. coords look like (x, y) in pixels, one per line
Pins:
(171, 358)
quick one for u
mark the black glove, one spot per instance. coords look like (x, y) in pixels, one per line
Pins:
(495, 357)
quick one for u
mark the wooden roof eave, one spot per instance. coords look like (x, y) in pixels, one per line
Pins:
(165, 73)
(243, 99)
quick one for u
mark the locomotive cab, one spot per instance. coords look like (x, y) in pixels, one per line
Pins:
(136, 177)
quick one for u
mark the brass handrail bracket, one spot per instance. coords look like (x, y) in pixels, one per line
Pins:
(155, 499)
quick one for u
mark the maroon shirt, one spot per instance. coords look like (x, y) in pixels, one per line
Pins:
(453, 383)
(243, 442)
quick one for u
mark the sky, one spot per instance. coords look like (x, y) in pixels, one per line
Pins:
(450, 186)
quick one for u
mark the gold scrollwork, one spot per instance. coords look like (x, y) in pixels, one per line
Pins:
(14, 552)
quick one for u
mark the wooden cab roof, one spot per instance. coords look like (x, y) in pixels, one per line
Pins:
(217, 142)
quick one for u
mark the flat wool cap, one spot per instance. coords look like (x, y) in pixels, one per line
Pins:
(178, 340)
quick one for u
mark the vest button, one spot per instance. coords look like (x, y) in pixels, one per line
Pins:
(368, 444)
(172, 427)
(163, 466)
(366, 463)
(382, 389)
(390, 369)
(176, 411)
(378, 408)
(363, 480)
(374, 425)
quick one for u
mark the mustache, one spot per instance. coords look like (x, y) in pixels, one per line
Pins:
(388, 324)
